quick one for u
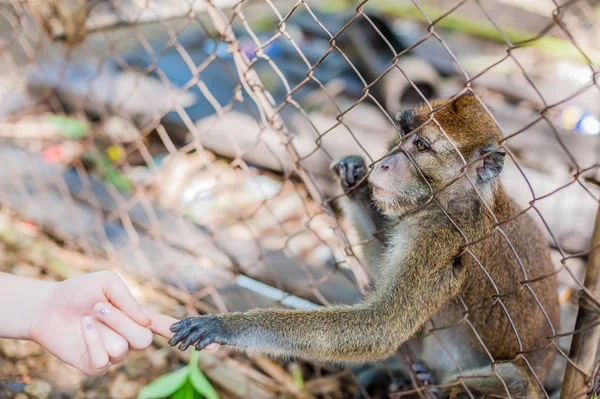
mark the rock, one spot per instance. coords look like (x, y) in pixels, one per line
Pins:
(158, 357)
(124, 389)
(17, 349)
(23, 370)
(137, 365)
(25, 270)
(65, 379)
(140, 176)
(120, 130)
(39, 389)
(90, 395)
(13, 387)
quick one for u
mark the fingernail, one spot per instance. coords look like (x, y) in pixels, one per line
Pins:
(88, 322)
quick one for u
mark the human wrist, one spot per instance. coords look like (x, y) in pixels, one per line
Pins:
(37, 305)
(22, 302)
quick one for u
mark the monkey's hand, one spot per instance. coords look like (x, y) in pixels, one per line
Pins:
(352, 172)
(200, 331)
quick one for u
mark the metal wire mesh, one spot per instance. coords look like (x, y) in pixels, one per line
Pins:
(189, 144)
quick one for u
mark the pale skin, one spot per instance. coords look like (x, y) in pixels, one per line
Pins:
(89, 321)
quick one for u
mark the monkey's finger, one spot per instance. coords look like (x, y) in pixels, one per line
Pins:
(337, 169)
(340, 170)
(138, 337)
(116, 346)
(205, 342)
(178, 337)
(178, 326)
(355, 171)
(97, 358)
(196, 337)
(190, 339)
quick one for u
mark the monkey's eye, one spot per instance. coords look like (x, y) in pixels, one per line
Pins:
(422, 144)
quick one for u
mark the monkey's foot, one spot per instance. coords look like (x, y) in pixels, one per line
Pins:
(351, 171)
(423, 376)
(460, 394)
(400, 385)
(199, 331)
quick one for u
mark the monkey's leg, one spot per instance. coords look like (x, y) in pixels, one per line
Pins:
(507, 376)
(359, 209)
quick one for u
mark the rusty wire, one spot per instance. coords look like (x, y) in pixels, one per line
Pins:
(147, 218)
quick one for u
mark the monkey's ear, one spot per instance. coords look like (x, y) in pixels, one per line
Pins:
(492, 163)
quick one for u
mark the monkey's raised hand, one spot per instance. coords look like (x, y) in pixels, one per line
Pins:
(352, 172)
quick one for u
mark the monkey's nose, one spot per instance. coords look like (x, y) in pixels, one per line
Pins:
(387, 163)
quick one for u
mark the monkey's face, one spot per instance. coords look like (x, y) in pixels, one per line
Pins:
(450, 158)
(421, 165)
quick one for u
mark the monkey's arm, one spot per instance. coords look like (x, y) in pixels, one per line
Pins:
(359, 209)
(367, 331)
(369, 225)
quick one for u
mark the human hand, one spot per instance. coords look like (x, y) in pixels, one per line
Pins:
(91, 321)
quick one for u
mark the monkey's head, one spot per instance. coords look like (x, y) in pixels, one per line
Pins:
(434, 155)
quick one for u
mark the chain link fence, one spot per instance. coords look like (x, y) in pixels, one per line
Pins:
(187, 145)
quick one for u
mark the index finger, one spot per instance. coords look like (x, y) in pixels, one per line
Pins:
(119, 295)
(160, 323)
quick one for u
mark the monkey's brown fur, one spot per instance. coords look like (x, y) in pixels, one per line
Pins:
(470, 127)
(424, 267)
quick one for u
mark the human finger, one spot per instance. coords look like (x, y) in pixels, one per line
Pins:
(116, 346)
(96, 361)
(119, 295)
(137, 336)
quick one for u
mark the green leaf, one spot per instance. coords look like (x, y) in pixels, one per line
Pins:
(297, 375)
(185, 392)
(166, 385)
(118, 179)
(110, 173)
(197, 378)
(194, 359)
(70, 127)
(202, 385)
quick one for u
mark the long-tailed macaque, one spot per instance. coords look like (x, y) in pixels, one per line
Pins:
(451, 252)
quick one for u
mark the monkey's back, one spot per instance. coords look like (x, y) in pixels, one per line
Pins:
(503, 308)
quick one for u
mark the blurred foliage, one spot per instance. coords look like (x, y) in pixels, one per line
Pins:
(185, 383)
(479, 28)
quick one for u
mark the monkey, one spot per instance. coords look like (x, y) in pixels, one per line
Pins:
(462, 276)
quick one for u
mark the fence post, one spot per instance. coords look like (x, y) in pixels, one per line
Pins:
(585, 342)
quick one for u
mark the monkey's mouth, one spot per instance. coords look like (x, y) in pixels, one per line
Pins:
(381, 192)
